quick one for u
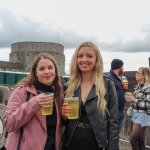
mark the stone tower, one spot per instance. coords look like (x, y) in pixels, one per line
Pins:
(23, 53)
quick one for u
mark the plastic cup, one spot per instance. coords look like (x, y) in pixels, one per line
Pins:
(73, 103)
(124, 82)
(48, 110)
(128, 93)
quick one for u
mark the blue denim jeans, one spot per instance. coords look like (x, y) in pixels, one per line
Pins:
(121, 117)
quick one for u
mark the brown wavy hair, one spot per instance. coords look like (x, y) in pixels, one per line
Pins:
(31, 79)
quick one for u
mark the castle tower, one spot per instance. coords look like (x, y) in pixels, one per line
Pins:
(23, 53)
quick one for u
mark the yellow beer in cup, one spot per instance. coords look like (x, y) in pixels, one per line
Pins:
(128, 93)
(73, 103)
(48, 110)
(124, 81)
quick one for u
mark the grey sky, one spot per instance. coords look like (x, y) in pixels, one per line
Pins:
(15, 28)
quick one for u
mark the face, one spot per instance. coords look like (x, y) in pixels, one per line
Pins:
(139, 76)
(45, 71)
(86, 59)
(120, 71)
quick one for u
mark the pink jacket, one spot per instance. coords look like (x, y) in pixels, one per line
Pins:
(28, 114)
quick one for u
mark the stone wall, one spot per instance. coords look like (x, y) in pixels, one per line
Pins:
(4, 65)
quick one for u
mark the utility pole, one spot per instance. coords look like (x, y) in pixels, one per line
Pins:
(149, 62)
(58, 36)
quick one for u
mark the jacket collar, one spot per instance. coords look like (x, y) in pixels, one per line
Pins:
(114, 75)
(91, 95)
(31, 89)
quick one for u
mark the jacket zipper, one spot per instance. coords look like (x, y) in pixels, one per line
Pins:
(73, 132)
(105, 134)
(106, 129)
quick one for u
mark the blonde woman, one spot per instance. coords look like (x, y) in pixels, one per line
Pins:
(97, 125)
(141, 108)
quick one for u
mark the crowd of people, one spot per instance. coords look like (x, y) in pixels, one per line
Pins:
(101, 105)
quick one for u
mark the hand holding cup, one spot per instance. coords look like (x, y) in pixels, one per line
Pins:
(73, 103)
(45, 100)
(65, 110)
(129, 97)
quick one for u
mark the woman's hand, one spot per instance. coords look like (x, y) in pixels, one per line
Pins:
(43, 100)
(129, 98)
(65, 110)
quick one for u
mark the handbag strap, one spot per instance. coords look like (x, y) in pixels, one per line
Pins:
(21, 133)
(21, 129)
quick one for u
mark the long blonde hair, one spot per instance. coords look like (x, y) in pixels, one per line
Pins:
(97, 76)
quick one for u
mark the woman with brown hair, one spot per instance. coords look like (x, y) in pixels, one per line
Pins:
(40, 132)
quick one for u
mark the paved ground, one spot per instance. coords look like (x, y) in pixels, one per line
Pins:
(124, 145)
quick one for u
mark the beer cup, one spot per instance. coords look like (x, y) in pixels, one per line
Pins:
(48, 110)
(128, 93)
(126, 97)
(124, 81)
(73, 103)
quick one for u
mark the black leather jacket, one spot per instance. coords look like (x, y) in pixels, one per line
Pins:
(105, 128)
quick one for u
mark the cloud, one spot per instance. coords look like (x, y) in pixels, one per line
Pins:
(130, 47)
(14, 29)
(17, 29)
(134, 45)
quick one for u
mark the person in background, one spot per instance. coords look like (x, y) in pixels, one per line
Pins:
(116, 74)
(141, 108)
(39, 132)
(97, 125)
